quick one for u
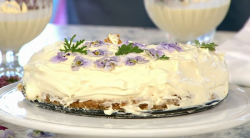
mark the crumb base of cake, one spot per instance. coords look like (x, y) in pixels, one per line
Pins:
(122, 115)
(97, 109)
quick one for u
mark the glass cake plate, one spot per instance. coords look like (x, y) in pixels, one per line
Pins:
(231, 112)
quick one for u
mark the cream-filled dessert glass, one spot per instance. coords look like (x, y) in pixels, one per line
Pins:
(187, 20)
(20, 22)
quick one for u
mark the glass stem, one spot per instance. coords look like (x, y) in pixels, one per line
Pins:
(9, 64)
(10, 60)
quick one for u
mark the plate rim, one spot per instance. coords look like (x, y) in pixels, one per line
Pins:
(145, 132)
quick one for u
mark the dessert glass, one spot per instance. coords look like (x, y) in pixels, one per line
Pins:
(187, 20)
(20, 22)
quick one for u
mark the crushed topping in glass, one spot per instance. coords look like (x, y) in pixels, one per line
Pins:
(186, 2)
(13, 7)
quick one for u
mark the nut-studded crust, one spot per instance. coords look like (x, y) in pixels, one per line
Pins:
(96, 108)
(122, 115)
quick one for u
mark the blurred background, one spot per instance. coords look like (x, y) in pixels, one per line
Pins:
(94, 19)
(130, 13)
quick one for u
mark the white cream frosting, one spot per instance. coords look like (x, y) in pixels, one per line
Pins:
(194, 75)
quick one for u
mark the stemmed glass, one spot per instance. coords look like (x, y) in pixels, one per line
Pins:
(187, 20)
(20, 22)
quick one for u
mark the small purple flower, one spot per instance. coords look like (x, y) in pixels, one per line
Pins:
(9, 133)
(97, 43)
(107, 63)
(86, 43)
(40, 134)
(141, 46)
(125, 43)
(154, 53)
(60, 57)
(130, 61)
(80, 62)
(169, 47)
(99, 52)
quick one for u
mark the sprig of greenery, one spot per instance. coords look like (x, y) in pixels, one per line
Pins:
(126, 49)
(210, 46)
(13, 79)
(162, 57)
(74, 48)
(197, 42)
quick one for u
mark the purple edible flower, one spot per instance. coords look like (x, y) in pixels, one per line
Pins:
(80, 62)
(60, 57)
(154, 53)
(97, 43)
(130, 61)
(107, 63)
(169, 47)
(98, 52)
(40, 134)
(125, 43)
(141, 46)
(9, 133)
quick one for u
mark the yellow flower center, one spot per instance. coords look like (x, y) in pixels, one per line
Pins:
(133, 61)
(78, 62)
(95, 42)
(97, 52)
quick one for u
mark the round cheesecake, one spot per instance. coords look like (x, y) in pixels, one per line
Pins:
(128, 77)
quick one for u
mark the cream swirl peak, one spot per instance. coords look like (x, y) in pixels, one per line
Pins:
(128, 77)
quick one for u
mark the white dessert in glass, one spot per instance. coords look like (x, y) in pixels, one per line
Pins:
(186, 20)
(20, 22)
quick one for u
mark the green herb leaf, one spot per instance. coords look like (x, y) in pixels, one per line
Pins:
(210, 46)
(162, 57)
(126, 49)
(73, 48)
(13, 79)
(197, 42)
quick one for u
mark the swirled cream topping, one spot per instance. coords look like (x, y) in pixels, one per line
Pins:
(193, 75)
(13, 7)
